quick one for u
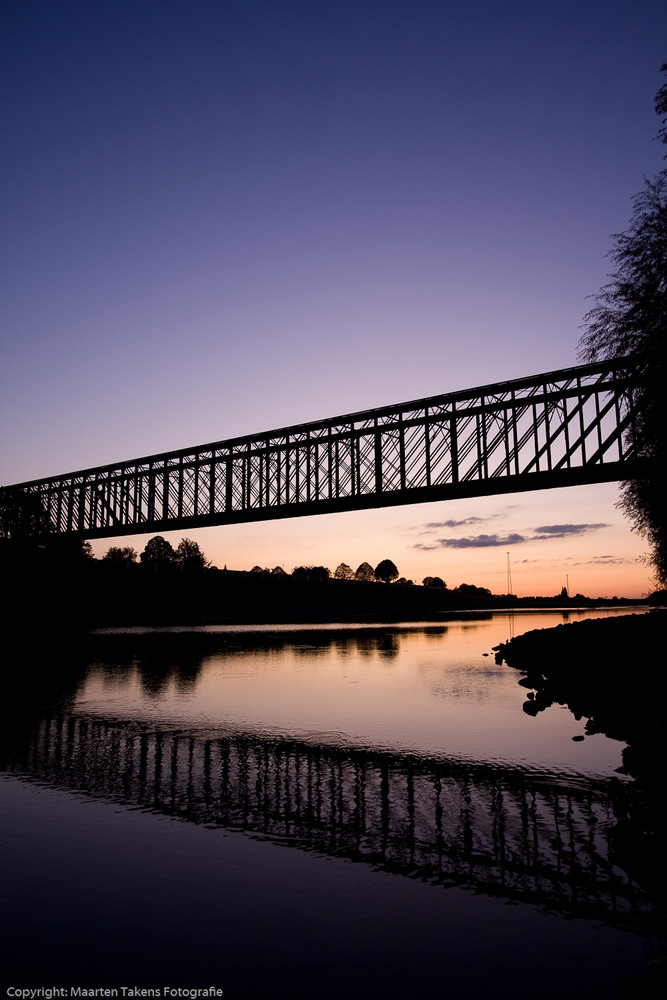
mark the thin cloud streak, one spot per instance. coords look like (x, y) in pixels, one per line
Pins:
(545, 533)
(481, 541)
(564, 530)
(467, 521)
(605, 561)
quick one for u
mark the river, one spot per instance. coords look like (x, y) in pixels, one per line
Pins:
(310, 812)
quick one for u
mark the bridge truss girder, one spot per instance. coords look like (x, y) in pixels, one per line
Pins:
(564, 428)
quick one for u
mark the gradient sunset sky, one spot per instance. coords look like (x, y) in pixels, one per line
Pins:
(224, 217)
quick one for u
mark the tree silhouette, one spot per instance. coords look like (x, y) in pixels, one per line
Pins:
(22, 516)
(189, 555)
(159, 551)
(386, 571)
(661, 107)
(472, 591)
(319, 572)
(364, 572)
(117, 554)
(434, 581)
(630, 319)
(343, 572)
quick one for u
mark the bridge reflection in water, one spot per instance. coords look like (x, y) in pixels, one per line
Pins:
(524, 836)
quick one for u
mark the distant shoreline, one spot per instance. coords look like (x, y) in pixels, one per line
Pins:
(101, 594)
(349, 622)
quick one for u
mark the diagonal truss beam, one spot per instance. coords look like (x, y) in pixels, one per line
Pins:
(563, 428)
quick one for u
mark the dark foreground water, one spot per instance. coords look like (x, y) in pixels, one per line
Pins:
(321, 813)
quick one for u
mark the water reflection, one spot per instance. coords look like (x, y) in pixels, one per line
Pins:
(499, 830)
(582, 673)
(431, 690)
(159, 722)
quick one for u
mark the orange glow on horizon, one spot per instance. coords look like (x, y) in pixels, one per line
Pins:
(555, 538)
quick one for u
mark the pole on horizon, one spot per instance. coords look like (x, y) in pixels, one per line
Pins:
(509, 575)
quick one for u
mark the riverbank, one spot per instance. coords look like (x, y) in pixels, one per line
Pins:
(585, 665)
(610, 672)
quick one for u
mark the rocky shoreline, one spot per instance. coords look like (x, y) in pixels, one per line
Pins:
(611, 673)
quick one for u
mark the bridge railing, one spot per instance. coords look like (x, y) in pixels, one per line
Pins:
(561, 428)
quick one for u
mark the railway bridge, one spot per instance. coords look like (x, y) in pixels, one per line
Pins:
(562, 428)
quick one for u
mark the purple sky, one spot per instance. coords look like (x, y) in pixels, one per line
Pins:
(223, 217)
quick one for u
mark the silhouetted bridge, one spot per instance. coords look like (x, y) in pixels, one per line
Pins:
(501, 830)
(563, 428)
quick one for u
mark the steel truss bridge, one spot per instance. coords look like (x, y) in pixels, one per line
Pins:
(563, 428)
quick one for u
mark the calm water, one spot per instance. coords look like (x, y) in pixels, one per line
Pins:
(287, 812)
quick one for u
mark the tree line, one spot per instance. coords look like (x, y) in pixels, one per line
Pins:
(188, 554)
(384, 572)
(160, 552)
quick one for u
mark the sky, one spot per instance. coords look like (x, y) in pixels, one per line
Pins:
(226, 216)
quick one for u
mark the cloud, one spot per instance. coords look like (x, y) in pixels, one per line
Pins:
(481, 541)
(466, 522)
(543, 533)
(605, 561)
(564, 530)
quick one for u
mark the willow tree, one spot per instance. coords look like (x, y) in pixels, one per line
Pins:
(629, 320)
